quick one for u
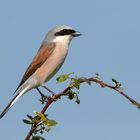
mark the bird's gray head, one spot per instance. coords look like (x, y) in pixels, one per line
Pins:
(61, 33)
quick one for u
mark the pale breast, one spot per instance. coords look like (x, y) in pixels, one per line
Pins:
(52, 64)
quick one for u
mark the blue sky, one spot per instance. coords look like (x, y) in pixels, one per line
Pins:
(109, 45)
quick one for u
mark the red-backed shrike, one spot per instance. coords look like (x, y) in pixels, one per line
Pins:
(47, 62)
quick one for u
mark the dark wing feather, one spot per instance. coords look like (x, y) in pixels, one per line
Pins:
(43, 53)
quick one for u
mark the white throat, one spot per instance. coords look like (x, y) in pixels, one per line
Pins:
(65, 40)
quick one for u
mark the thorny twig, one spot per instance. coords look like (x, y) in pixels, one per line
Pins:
(66, 92)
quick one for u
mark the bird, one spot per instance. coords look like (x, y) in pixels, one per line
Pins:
(47, 61)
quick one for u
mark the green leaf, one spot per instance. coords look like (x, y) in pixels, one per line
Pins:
(27, 121)
(37, 138)
(42, 116)
(37, 130)
(115, 81)
(47, 129)
(51, 122)
(75, 82)
(41, 132)
(71, 95)
(30, 117)
(118, 84)
(63, 77)
(97, 74)
(77, 101)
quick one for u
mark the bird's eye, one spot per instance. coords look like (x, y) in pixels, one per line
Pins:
(64, 32)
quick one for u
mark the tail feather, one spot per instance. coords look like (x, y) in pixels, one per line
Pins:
(18, 95)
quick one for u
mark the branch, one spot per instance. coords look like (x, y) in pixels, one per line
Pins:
(66, 92)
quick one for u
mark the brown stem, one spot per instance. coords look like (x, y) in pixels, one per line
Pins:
(65, 92)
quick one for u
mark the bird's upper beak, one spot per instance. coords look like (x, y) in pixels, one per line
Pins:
(75, 34)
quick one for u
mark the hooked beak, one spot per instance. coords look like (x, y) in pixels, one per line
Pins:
(76, 34)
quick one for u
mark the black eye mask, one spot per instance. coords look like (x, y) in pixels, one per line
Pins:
(65, 32)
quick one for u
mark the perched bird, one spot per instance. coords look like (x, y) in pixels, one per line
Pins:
(48, 60)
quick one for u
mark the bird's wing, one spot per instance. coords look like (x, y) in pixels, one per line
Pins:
(43, 53)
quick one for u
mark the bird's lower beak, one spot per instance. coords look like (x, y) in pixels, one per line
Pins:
(75, 34)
